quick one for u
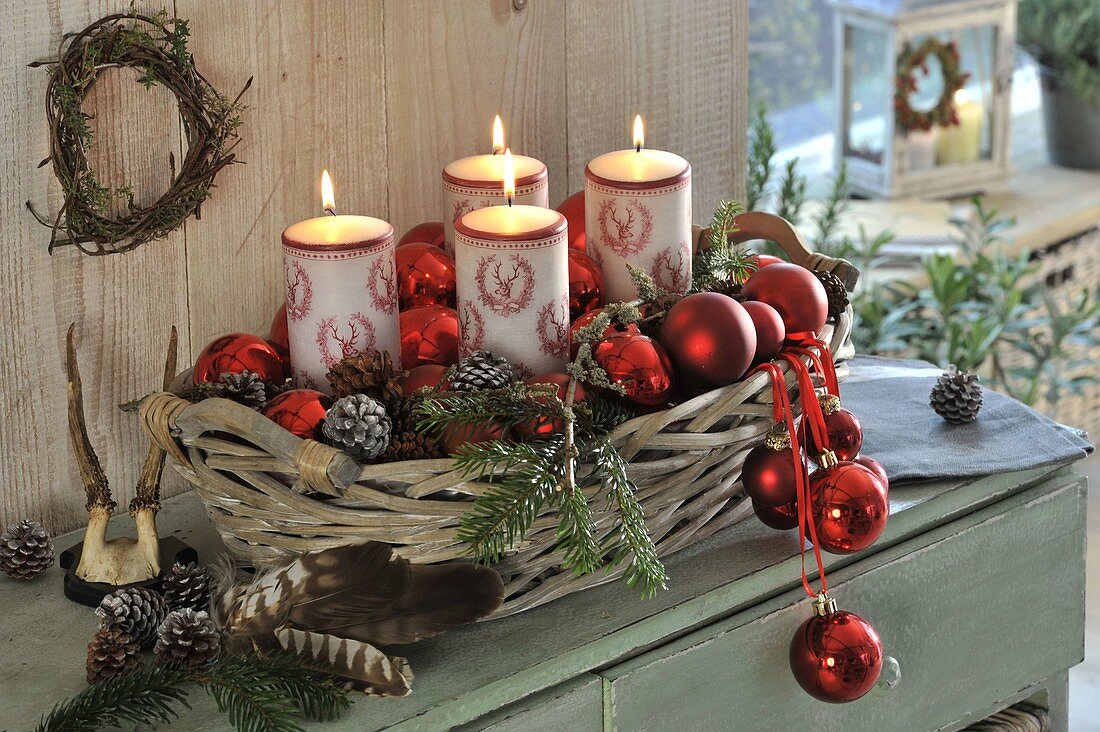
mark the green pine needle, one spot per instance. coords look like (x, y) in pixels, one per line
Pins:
(148, 695)
(719, 263)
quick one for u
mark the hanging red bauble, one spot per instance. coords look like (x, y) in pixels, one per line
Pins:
(454, 436)
(299, 411)
(585, 284)
(849, 507)
(844, 430)
(279, 334)
(875, 467)
(766, 260)
(548, 426)
(586, 319)
(782, 518)
(425, 276)
(639, 364)
(429, 335)
(768, 472)
(429, 232)
(420, 376)
(795, 293)
(237, 352)
(572, 209)
(710, 337)
(836, 656)
(770, 331)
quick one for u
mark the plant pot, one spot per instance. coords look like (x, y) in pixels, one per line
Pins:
(1072, 124)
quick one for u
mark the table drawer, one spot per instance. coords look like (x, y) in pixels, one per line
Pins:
(973, 611)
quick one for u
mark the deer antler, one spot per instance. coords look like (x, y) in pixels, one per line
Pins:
(147, 494)
(91, 472)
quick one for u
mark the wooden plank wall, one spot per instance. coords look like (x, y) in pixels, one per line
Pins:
(383, 93)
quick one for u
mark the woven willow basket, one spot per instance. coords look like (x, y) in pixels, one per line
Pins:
(273, 495)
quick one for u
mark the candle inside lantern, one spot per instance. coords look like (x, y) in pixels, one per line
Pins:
(962, 143)
(341, 290)
(513, 281)
(638, 213)
(476, 182)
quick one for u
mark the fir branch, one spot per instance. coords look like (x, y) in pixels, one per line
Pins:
(762, 150)
(836, 205)
(148, 695)
(792, 193)
(720, 264)
(577, 540)
(513, 405)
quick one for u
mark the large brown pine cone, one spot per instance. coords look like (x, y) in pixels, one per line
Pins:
(957, 396)
(374, 376)
(110, 653)
(835, 291)
(411, 446)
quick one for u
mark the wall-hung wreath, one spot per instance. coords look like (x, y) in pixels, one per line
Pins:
(157, 47)
(943, 113)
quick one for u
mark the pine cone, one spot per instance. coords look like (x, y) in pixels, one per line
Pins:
(110, 653)
(375, 376)
(957, 396)
(482, 370)
(402, 412)
(26, 549)
(835, 291)
(245, 388)
(187, 586)
(188, 637)
(411, 446)
(359, 426)
(136, 611)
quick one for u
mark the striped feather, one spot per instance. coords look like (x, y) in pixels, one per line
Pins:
(366, 668)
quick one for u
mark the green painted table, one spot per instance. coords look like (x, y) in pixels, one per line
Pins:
(977, 589)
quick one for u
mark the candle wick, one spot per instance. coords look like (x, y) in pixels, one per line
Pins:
(330, 211)
(509, 200)
(638, 147)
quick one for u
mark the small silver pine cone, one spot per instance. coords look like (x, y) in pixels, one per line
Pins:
(26, 549)
(136, 611)
(110, 653)
(187, 585)
(358, 425)
(188, 637)
(482, 370)
(957, 396)
(245, 388)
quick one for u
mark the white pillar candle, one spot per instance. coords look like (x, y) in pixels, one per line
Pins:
(922, 149)
(638, 212)
(478, 182)
(341, 292)
(962, 143)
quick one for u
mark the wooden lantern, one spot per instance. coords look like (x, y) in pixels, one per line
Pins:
(923, 90)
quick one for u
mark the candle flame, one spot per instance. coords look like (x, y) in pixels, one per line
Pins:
(639, 132)
(498, 136)
(509, 176)
(962, 96)
(328, 199)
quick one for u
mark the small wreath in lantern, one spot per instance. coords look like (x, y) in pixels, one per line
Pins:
(157, 47)
(943, 113)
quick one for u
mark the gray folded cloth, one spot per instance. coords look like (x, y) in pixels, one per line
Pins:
(900, 430)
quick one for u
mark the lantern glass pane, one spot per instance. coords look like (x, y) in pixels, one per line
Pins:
(867, 93)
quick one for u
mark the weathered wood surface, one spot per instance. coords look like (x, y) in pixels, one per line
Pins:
(481, 669)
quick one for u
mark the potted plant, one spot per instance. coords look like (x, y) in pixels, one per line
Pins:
(1064, 37)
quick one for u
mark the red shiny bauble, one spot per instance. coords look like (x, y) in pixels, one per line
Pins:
(783, 517)
(572, 209)
(454, 436)
(836, 657)
(770, 331)
(875, 467)
(793, 291)
(420, 376)
(768, 476)
(585, 284)
(429, 335)
(639, 364)
(235, 353)
(429, 232)
(299, 411)
(546, 426)
(587, 319)
(849, 507)
(279, 333)
(845, 435)
(710, 337)
(766, 260)
(425, 276)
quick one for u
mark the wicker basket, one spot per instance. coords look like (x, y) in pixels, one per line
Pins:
(271, 494)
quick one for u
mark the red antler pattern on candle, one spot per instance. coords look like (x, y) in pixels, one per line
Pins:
(471, 329)
(303, 380)
(299, 291)
(553, 328)
(382, 284)
(505, 287)
(354, 337)
(617, 227)
(669, 269)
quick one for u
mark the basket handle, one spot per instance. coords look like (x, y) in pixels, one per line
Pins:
(762, 225)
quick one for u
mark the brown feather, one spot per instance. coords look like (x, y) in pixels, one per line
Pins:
(367, 669)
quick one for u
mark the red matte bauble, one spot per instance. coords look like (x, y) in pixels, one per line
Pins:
(548, 426)
(572, 209)
(429, 232)
(279, 333)
(766, 260)
(585, 284)
(782, 518)
(425, 276)
(420, 376)
(849, 507)
(429, 335)
(710, 337)
(639, 364)
(768, 476)
(235, 353)
(836, 657)
(770, 331)
(299, 411)
(845, 435)
(454, 436)
(875, 467)
(793, 291)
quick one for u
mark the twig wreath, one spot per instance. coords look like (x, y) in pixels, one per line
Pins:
(157, 47)
(943, 113)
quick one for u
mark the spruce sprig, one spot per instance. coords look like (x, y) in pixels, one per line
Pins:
(719, 264)
(149, 695)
